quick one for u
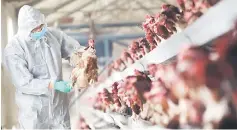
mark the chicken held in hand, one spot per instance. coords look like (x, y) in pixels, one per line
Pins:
(85, 71)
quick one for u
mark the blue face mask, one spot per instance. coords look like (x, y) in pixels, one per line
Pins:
(39, 35)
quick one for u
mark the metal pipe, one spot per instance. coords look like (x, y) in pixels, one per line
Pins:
(121, 36)
(106, 25)
(112, 37)
(121, 43)
(106, 49)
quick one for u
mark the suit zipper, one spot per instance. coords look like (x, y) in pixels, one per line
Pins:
(50, 92)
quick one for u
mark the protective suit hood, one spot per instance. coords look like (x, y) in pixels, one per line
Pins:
(28, 19)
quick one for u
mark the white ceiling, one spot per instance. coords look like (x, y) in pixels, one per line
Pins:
(102, 11)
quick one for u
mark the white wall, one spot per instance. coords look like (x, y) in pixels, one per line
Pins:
(8, 28)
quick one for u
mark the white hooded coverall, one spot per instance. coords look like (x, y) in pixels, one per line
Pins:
(32, 65)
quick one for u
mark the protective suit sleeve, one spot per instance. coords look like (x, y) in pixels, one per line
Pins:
(68, 46)
(22, 79)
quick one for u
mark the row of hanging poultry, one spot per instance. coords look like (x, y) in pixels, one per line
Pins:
(160, 27)
(197, 90)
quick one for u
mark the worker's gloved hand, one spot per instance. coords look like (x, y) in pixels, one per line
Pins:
(62, 86)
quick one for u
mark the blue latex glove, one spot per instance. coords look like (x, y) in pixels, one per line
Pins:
(62, 86)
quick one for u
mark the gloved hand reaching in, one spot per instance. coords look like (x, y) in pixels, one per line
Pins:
(61, 86)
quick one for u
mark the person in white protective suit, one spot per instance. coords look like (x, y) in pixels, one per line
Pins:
(34, 60)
